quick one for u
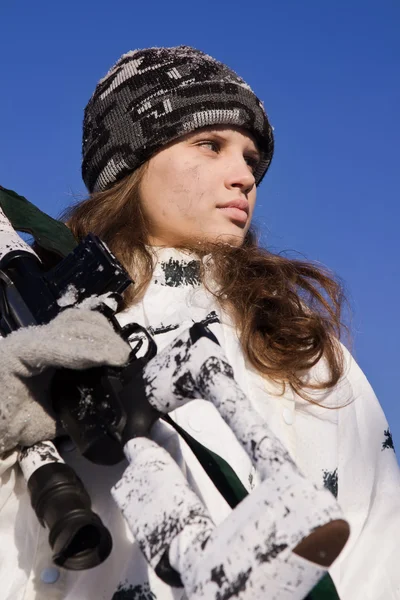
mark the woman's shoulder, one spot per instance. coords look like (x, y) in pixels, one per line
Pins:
(351, 403)
(323, 404)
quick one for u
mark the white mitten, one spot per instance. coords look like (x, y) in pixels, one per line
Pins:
(76, 339)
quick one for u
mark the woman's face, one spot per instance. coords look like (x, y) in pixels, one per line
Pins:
(201, 187)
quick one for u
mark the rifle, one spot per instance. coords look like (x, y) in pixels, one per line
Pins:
(31, 296)
(57, 281)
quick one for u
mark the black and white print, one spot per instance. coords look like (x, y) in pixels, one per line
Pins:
(248, 552)
(9, 238)
(330, 479)
(127, 591)
(388, 440)
(178, 273)
(36, 456)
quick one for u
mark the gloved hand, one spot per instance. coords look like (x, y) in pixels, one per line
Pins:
(76, 339)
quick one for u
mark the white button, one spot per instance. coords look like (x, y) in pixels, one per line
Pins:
(195, 423)
(50, 575)
(288, 416)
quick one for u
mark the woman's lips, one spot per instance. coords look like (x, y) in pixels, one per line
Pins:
(236, 214)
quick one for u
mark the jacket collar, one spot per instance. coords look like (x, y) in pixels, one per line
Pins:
(175, 267)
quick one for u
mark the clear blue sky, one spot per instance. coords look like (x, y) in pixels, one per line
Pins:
(328, 73)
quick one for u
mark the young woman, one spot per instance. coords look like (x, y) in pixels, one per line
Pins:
(174, 147)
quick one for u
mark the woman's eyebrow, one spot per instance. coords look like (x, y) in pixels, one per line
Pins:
(254, 153)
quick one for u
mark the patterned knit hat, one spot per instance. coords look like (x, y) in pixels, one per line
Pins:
(153, 96)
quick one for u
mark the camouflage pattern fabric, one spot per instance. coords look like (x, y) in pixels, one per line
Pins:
(153, 96)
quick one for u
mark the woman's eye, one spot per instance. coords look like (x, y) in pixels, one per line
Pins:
(252, 162)
(212, 145)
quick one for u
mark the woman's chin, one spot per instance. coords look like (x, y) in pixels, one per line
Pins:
(228, 234)
(232, 237)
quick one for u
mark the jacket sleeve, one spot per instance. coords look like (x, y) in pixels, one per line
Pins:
(7, 461)
(369, 494)
(8, 483)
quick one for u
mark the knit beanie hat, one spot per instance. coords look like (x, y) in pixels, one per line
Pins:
(153, 96)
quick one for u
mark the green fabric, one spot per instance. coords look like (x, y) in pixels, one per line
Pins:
(220, 472)
(25, 216)
(56, 237)
(324, 590)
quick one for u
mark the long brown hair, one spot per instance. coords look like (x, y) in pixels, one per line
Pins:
(287, 311)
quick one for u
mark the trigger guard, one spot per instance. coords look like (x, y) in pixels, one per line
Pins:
(127, 331)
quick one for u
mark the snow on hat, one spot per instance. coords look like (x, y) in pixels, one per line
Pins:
(153, 96)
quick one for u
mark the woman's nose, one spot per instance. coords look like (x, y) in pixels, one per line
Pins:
(240, 176)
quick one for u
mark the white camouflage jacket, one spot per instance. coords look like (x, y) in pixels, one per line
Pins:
(348, 450)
